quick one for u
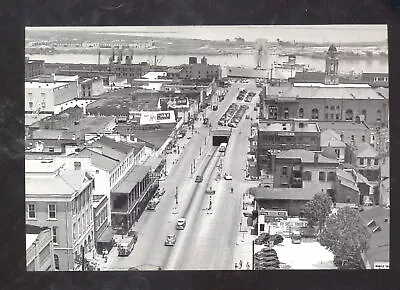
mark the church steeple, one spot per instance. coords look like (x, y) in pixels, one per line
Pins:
(331, 66)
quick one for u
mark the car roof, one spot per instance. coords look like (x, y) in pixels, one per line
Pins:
(181, 219)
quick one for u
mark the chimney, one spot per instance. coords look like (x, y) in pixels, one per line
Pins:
(315, 157)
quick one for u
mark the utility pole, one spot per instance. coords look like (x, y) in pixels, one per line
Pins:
(252, 257)
(176, 195)
(83, 258)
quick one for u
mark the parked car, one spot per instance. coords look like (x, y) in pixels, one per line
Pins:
(262, 239)
(227, 176)
(199, 178)
(170, 240)
(181, 224)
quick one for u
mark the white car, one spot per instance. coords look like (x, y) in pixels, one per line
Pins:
(180, 223)
(227, 177)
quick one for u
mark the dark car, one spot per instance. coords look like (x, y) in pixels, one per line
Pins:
(276, 238)
(199, 178)
(262, 239)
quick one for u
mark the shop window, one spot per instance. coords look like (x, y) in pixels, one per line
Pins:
(321, 176)
(349, 115)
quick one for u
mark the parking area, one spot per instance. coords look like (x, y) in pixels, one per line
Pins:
(304, 256)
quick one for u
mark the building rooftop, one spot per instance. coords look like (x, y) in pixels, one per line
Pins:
(99, 160)
(152, 75)
(366, 151)
(156, 137)
(346, 179)
(65, 182)
(384, 92)
(136, 174)
(246, 72)
(52, 134)
(342, 125)
(120, 102)
(113, 149)
(340, 91)
(379, 243)
(331, 138)
(30, 239)
(288, 126)
(39, 85)
(279, 193)
(305, 156)
(30, 119)
(319, 77)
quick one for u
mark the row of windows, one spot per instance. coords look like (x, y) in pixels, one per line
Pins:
(322, 175)
(51, 211)
(349, 114)
(82, 223)
(368, 161)
(82, 200)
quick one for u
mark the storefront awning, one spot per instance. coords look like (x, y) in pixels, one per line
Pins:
(106, 236)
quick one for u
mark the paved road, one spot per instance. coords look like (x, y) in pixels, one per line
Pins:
(209, 237)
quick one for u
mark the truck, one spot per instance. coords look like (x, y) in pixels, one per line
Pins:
(126, 245)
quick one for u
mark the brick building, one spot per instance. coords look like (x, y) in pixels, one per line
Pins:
(33, 68)
(275, 136)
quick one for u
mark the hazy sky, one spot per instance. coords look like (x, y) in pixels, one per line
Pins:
(315, 33)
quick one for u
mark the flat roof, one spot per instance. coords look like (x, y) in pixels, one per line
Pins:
(289, 125)
(50, 85)
(279, 193)
(305, 156)
(379, 242)
(341, 91)
(136, 174)
(331, 138)
(342, 125)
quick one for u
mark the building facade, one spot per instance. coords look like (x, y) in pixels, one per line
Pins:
(91, 87)
(201, 70)
(276, 136)
(129, 197)
(61, 200)
(33, 68)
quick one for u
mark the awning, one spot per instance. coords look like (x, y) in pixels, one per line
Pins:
(106, 236)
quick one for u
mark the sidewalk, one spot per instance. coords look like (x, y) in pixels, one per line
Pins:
(243, 246)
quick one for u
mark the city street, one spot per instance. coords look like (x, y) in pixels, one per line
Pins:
(208, 241)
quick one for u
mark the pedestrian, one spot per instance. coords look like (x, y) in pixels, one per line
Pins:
(236, 266)
(106, 252)
(103, 252)
(240, 264)
(248, 266)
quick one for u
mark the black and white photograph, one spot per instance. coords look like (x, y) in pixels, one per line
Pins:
(241, 148)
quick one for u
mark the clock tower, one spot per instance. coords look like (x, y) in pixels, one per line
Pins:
(331, 66)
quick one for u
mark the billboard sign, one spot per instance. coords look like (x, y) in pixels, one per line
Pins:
(157, 117)
(175, 102)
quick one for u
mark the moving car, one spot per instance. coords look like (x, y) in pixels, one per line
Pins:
(227, 177)
(170, 240)
(180, 223)
(199, 178)
(262, 239)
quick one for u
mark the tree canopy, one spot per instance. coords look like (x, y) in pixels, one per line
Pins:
(347, 237)
(317, 209)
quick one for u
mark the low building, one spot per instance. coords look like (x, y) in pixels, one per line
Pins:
(130, 196)
(292, 200)
(39, 248)
(330, 138)
(346, 189)
(377, 220)
(61, 199)
(376, 79)
(91, 87)
(366, 160)
(276, 136)
(201, 70)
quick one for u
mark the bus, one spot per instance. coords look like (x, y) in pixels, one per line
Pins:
(222, 147)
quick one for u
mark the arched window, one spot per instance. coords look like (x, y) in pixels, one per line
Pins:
(56, 262)
(301, 113)
(307, 175)
(378, 115)
(349, 115)
(364, 112)
(314, 114)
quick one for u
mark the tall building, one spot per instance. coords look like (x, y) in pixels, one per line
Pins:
(61, 200)
(33, 68)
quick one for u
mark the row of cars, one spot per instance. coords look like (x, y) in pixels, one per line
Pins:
(233, 115)
(171, 238)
